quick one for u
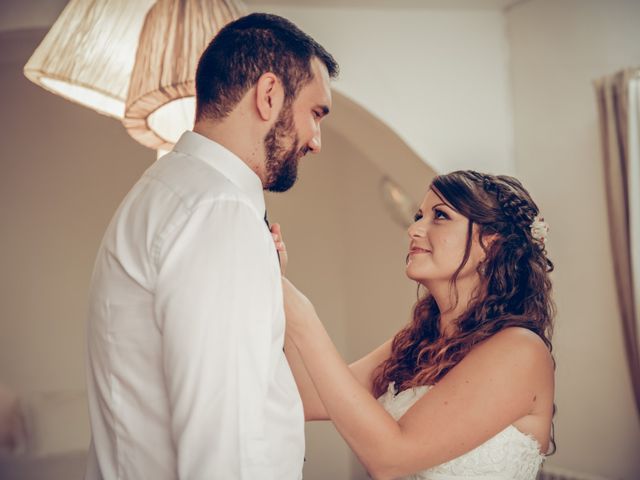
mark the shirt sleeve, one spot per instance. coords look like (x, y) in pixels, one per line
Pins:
(215, 307)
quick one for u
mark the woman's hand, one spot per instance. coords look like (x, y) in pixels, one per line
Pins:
(276, 233)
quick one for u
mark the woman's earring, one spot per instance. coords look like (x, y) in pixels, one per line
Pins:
(482, 270)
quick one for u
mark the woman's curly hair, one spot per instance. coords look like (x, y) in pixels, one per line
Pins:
(514, 290)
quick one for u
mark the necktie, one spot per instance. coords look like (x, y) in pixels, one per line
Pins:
(269, 227)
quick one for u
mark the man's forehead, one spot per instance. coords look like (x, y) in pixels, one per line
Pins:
(321, 83)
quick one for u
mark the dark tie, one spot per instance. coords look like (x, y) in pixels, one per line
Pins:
(269, 227)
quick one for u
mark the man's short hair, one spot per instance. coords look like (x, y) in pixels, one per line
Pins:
(247, 48)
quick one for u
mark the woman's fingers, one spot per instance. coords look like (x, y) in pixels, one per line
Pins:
(276, 233)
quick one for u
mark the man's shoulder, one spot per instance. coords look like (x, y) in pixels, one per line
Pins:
(192, 181)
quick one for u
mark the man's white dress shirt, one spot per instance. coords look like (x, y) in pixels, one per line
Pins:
(185, 366)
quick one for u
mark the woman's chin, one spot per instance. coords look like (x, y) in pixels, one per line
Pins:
(414, 275)
(425, 278)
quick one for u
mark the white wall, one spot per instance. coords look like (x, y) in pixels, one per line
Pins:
(557, 49)
(438, 78)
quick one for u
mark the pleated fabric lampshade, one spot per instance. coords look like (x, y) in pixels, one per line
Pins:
(161, 100)
(88, 54)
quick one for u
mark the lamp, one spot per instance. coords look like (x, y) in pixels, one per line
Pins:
(131, 60)
(88, 54)
(399, 205)
(160, 104)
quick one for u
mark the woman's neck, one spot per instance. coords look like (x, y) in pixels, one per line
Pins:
(452, 306)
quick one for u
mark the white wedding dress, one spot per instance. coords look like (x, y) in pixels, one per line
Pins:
(510, 455)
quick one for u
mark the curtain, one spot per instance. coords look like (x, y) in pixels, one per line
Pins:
(618, 99)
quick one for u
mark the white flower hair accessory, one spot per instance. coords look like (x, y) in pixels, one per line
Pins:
(539, 229)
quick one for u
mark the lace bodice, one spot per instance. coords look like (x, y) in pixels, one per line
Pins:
(510, 455)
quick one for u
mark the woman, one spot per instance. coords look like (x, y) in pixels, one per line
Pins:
(466, 389)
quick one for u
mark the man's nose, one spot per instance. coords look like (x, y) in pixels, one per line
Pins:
(315, 144)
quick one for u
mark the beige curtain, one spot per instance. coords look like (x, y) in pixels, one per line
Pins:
(619, 111)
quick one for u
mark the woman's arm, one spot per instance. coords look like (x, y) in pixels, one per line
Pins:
(362, 370)
(492, 387)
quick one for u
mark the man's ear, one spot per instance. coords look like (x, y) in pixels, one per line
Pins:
(269, 96)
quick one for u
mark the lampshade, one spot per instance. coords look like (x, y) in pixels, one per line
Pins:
(161, 104)
(88, 54)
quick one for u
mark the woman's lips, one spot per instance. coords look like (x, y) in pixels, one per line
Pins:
(417, 250)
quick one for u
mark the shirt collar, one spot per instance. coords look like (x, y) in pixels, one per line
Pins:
(226, 162)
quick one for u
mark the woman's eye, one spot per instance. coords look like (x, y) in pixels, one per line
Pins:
(417, 217)
(439, 214)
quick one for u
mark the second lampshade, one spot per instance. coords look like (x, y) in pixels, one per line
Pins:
(160, 104)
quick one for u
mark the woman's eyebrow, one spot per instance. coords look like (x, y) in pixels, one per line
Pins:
(444, 204)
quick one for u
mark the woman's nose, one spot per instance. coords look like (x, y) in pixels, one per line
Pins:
(416, 230)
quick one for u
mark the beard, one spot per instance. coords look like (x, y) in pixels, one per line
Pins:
(281, 153)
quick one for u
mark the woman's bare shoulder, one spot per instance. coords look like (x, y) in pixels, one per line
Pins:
(515, 347)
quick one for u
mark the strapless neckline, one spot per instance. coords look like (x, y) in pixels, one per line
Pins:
(421, 390)
(511, 454)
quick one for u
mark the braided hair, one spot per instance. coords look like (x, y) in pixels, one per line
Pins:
(514, 288)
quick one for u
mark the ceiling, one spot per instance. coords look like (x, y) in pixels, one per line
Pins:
(20, 14)
(392, 4)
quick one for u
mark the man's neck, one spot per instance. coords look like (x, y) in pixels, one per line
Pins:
(239, 139)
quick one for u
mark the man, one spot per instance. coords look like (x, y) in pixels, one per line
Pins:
(186, 372)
